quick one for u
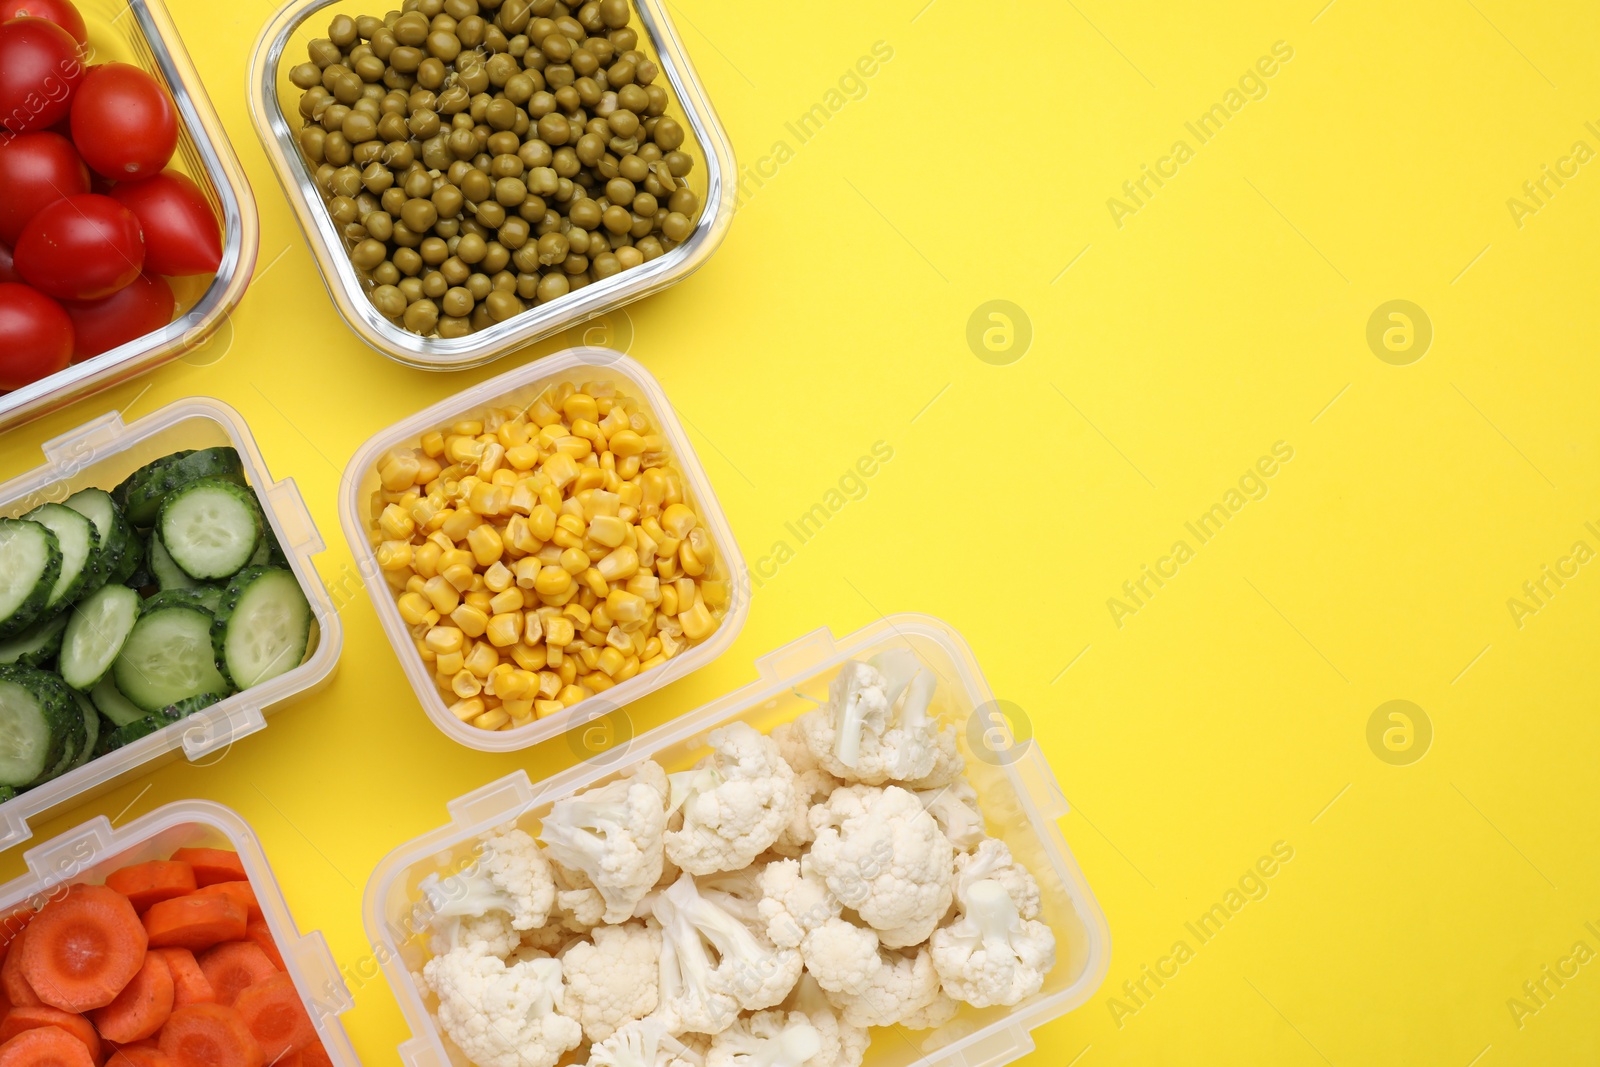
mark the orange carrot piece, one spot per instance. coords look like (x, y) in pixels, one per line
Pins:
(276, 1016)
(261, 934)
(145, 883)
(233, 966)
(141, 1007)
(212, 865)
(16, 988)
(239, 891)
(82, 948)
(189, 983)
(209, 1035)
(20, 1019)
(12, 925)
(140, 1055)
(194, 921)
(45, 1046)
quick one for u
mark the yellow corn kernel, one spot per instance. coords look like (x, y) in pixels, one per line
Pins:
(526, 570)
(544, 708)
(427, 469)
(594, 581)
(506, 600)
(513, 432)
(669, 600)
(465, 684)
(478, 598)
(570, 694)
(532, 628)
(590, 658)
(625, 607)
(471, 620)
(518, 537)
(559, 631)
(459, 523)
(521, 711)
(486, 544)
(616, 638)
(574, 561)
(492, 719)
(441, 594)
(589, 478)
(552, 581)
(699, 539)
(468, 709)
(610, 661)
(490, 459)
(597, 682)
(625, 443)
(575, 448)
(505, 629)
(651, 649)
(580, 406)
(491, 685)
(498, 578)
(542, 521)
(689, 561)
(482, 659)
(618, 564)
(463, 450)
(645, 586)
(396, 524)
(516, 684)
(560, 469)
(468, 427)
(716, 592)
(674, 488)
(443, 639)
(628, 467)
(630, 668)
(448, 663)
(398, 472)
(578, 614)
(667, 566)
(413, 608)
(698, 623)
(489, 500)
(395, 555)
(461, 576)
(549, 685)
(415, 583)
(526, 656)
(433, 444)
(653, 661)
(523, 457)
(608, 530)
(597, 638)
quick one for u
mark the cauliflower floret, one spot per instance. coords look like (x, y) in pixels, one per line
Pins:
(612, 835)
(712, 964)
(861, 737)
(767, 1039)
(904, 987)
(843, 1045)
(940, 1011)
(993, 859)
(811, 784)
(499, 1015)
(612, 979)
(955, 808)
(506, 889)
(883, 856)
(991, 954)
(799, 911)
(645, 1043)
(735, 802)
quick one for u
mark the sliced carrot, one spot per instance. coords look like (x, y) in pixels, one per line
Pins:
(17, 990)
(209, 1035)
(12, 925)
(45, 1046)
(239, 891)
(273, 1011)
(195, 921)
(261, 934)
(20, 1019)
(141, 1007)
(82, 948)
(234, 965)
(145, 883)
(212, 865)
(189, 983)
(139, 1055)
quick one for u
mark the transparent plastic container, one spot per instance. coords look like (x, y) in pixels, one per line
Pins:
(520, 387)
(103, 452)
(141, 32)
(93, 850)
(274, 109)
(1018, 794)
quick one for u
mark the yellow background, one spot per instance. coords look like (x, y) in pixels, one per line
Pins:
(1227, 314)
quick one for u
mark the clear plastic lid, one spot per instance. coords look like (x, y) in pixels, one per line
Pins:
(273, 107)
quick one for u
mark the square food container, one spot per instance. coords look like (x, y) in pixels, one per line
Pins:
(141, 32)
(103, 452)
(520, 387)
(273, 97)
(93, 850)
(1018, 793)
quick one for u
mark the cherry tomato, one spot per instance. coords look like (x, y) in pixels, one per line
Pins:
(8, 272)
(36, 169)
(60, 12)
(39, 73)
(131, 312)
(35, 336)
(81, 247)
(123, 122)
(180, 232)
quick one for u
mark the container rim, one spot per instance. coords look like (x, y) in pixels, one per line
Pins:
(601, 705)
(344, 285)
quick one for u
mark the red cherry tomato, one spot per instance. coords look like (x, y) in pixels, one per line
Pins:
(35, 336)
(131, 312)
(36, 169)
(180, 232)
(123, 122)
(60, 12)
(39, 73)
(8, 272)
(81, 248)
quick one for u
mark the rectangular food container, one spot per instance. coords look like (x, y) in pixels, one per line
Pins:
(141, 32)
(282, 44)
(1018, 793)
(89, 852)
(520, 387)
(102, 453)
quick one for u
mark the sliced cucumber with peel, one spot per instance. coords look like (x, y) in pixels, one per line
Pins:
(263, 626)
(91, 730)
(146, 490)
(30, 564)
(168, 658)
(113, 705)
(80, 546)
(210, 528)
(99, 626)
(116, 535)
(41, 726)
(36, 645)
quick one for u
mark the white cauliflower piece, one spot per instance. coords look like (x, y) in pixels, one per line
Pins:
(811, 785)
(645, 1043)
(767, 1039)
(612, 835)
(884, 857)
(936, 1014)
(841, 956)
(713, 965)
(843, 1045)
(993, 859)
(735, 803)
(799, 911)
(955, 808)
(991, 954)
(876, 727)
(508, 888)
(612, 979)
(904, 987)
(499, 1015)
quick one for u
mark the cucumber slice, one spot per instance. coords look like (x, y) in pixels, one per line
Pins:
(35, 646)
(203, 595)
(133, 569)
(146, 497)
(263, 627)
(91, 731)
(139, 477)
(99, 626)
(210, 528)
(168, 575)
(30, 563)
(116, 535)
(113, 705)
(168, 658)
(80, 544)
(41, 728)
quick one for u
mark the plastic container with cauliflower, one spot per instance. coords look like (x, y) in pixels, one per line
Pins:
(411, 896)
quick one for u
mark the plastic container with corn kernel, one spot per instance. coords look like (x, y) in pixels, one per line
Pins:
(1017, 793)
(519, 388)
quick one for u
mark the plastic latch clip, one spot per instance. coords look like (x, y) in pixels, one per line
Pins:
(219, 727)
(494, 803)
(798, 657)
(63, 858)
